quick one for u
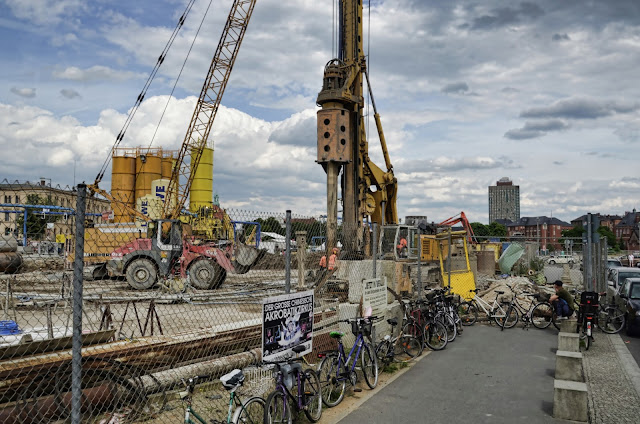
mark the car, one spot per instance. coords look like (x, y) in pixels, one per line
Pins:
(615, 277)
(628, 299)
(613, 263)
(562, 259)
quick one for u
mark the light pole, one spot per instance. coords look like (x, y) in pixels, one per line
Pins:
(538, 233)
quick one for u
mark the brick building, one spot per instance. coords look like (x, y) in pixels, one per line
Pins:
(627, 230)
(539, 228)
(609, 221)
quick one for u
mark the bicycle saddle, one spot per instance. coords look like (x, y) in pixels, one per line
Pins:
(499, 292)
(232, 380)
(298, 349)
(336, 334)
(392, 322)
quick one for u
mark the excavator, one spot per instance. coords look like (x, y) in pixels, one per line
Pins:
(166, 247)
(368, 192)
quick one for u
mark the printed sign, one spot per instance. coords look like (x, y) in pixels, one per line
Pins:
(287, 321)
(374, 295)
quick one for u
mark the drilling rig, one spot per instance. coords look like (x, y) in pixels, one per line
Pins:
(368, 192)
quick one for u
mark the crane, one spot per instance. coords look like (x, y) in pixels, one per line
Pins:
(368, 191)
(165, 252)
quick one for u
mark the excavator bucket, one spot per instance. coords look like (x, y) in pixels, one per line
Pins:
(245, 257)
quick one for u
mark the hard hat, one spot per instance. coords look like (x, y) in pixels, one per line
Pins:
(335, 250)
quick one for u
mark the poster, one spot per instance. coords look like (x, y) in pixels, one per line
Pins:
(374, 296)
(287, 321)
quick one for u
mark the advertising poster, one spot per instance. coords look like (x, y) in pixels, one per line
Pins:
(287, 321)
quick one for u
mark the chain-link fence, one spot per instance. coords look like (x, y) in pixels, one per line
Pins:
(115, 317)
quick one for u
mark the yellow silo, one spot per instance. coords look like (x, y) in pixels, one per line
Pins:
(123, 180)
(202, 186)
(148, 168)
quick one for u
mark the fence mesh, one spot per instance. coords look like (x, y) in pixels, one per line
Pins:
(148, 326)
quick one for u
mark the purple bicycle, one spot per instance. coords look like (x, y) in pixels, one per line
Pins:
(306, 397)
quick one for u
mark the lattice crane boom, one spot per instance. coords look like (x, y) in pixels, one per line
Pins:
(204, 114)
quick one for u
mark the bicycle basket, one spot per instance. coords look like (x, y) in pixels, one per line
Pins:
(589, 298)
(258, 380)
(364, 327)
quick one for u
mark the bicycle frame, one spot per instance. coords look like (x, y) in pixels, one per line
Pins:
(342, 362)
(189, 412)
(481, 303)
(287, 394)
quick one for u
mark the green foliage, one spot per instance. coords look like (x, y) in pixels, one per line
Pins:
(536, 264)
(479, 229)
(36, 223)
(497, 230)
(611, 237)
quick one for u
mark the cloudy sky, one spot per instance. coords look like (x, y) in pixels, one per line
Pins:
(542, 92)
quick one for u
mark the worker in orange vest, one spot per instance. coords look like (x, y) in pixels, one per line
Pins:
(333, 258)
(323, 263)
(402, 247)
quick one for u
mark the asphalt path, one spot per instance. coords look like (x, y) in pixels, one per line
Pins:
(633, 344)
(485, 376)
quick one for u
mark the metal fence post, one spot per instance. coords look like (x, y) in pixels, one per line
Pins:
(449, 260)
(419, 264)
(588, 266)
(374, 250)
(287, 258)
(76, 352)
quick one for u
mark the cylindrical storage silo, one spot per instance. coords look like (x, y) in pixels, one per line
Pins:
(486, 262)
(167, 167)
(148, 168)
(123, 181)
(202, 185)
(159, 189)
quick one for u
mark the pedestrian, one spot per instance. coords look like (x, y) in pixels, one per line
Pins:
(562, 301)
(333, 258)
(402, 248)
(324, 265)
(631, 259)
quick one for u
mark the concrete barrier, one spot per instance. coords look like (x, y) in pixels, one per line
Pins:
(570, 400)
(569, 366)
(569, 342)
(568, 325)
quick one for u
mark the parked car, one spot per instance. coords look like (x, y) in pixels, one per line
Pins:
(615, 277)
(562, 259)
(613, 263)
(628, 299)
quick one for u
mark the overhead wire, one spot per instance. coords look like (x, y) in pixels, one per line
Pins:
(143, 93)
(179, 74)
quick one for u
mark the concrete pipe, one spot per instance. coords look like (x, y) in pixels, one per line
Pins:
(10, 263)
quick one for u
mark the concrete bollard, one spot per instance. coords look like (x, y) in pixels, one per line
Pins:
(569, 366)
(570, 400)
(569, 342)
(568, 325)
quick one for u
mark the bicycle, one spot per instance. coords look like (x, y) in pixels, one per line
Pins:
(402, 348)
(540, 315)
(468, 311)
(611, 319)
(251, 411)
(336, 368)
(446, 313)
(425, 327)
(308, 398)
(587, 316)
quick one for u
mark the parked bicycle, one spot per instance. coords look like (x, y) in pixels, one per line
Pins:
(611, 318)
(249, 411)
(401, 348)
(337, 368)
(306, 397)
(424, 326)
(540, 314)
(496, 311)
(587, 316)
(445, 312)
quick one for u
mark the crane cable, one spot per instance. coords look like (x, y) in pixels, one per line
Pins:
(143, 93)
(179, 75)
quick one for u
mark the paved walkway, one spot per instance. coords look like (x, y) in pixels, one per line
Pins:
(485, 376)
(613, 380)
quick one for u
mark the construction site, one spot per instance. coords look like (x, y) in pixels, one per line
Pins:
(170, 284)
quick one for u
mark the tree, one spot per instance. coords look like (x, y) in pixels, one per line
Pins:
(611, 237)
(271, 225)
(497, 230)
(36, 220)
(479, 229)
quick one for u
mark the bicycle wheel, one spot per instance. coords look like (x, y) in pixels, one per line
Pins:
(276, 411)
(449, 324)
(251, 412)
(369, 365)
(406, 348)
(542, 315)
(383, 355)
(312, 396)
(511, 318)
(413, 329)
(435, 335)
(611, 319)
(468, 313)
(332, 390)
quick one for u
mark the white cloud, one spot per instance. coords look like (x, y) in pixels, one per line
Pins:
(28, 93)
(94, 73)
(44, 12)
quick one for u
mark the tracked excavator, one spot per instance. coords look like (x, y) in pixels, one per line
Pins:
(165, 247)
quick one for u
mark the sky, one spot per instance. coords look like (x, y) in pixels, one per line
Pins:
(542, 92)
